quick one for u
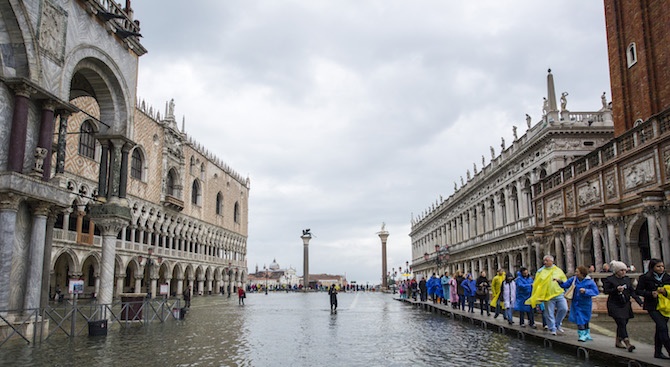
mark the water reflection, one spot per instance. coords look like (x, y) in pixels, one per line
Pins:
(369, 329)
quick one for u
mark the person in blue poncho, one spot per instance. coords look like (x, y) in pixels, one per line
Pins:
(470, 289)
(580, 309)
(433, 284)
(524, 287)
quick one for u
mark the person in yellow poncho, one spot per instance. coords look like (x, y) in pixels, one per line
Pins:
(496, 300)
(546, 290)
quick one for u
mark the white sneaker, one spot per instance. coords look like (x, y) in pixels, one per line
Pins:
(553, 333)
(560, 330)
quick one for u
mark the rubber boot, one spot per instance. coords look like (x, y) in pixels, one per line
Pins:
(588, 334)
(618, 343)
(582, 335)
(629, 346)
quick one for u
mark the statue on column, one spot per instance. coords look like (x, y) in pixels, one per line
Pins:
(603, 99)
(493, 152)
(564, 101)
(528, 120)
(514, 133)
(545, 106)
(502, 144)
(483, 162)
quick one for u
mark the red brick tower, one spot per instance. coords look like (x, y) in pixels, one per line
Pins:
(638, 42)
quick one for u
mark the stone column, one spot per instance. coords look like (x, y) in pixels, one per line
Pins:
(665, 236)
(180, 285)
(110, 218)
(19, 128)
(523, 205)
(383, 235)
(120, 278)
(46, 263)
(480, 265)
(138, 283)
(46, 138)
(597, 245)
(654, 246)
(62, 141)
(538, 254)
(9, 205)
(306, 236)
(103, 172)
(569, 253)
(32, 296)
(558, 248)
(96, 288)
(510, 262)
(612, 252)
(489, 266)
(626, 256)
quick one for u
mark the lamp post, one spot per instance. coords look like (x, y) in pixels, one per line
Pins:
(150, 262)
(230, 275)
(266, 279)
(383, 236)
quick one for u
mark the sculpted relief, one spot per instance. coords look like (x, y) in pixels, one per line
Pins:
(570, 201)
(53, 22)
(610, 186)
(639, 174)
(554, 207)
(589, 193)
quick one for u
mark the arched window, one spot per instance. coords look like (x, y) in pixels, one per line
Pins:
(136, 164)
(87, 140)
(236, 212)
(219, 204)
(170, 184)
(195, 193)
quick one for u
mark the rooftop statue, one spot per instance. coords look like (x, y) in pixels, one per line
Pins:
(564, 101)
(528, 120)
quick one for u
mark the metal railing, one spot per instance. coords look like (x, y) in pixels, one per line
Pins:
(72, 319)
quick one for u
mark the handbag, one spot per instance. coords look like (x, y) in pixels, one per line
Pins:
(571, 290)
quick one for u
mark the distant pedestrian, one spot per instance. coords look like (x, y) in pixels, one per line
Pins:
(651, 286)
(470, 288)
(508, 294)
(462, 298)
(524, 287)
(453, 293)
(546, 289)
(423, 290)
(433, 283)
(496, 299)
(581, 305)
(187, 297)
(482, 291)
(445, 287)
(332, 292)
(619, 290)
(241, 295)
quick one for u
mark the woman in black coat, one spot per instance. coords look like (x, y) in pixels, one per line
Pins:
(650, 285)
(483, 286)
(619, 290)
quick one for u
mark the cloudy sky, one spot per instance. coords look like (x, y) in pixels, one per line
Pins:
(346, 114)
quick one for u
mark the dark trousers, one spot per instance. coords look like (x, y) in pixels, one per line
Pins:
(484, 305)
(424, 296)
(661, 338)
(499, 308)
(462, 299)
(621, 324)
(531, 317)
(471, 303)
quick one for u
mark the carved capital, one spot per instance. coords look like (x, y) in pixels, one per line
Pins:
(9, 201)
(23, 90)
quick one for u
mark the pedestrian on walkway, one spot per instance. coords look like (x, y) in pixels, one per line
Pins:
(581, 306)
(413, 287)
(509, 297)
(462, 298)
(619, 289)
(469, 289)
(650, 286)
(444, 280)
(524, 287)
(433, 283)
(187, 297)
(547, 290)
(453, 293)
(496, 300)
(483, 287)
(423, 290)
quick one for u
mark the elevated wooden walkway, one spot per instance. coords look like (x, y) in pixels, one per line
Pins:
(600, 348)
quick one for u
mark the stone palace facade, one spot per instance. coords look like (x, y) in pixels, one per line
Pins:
(94, 185)
(488, 223)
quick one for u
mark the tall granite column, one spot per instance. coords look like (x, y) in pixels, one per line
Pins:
(612, 252)
(597, 245)
(569, 252)
(32, 296)
(384, 235)
(9, 205)
(654, 246)
(46, 263)
(306, 236)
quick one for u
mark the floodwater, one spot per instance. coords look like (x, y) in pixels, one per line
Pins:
(294, 329)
